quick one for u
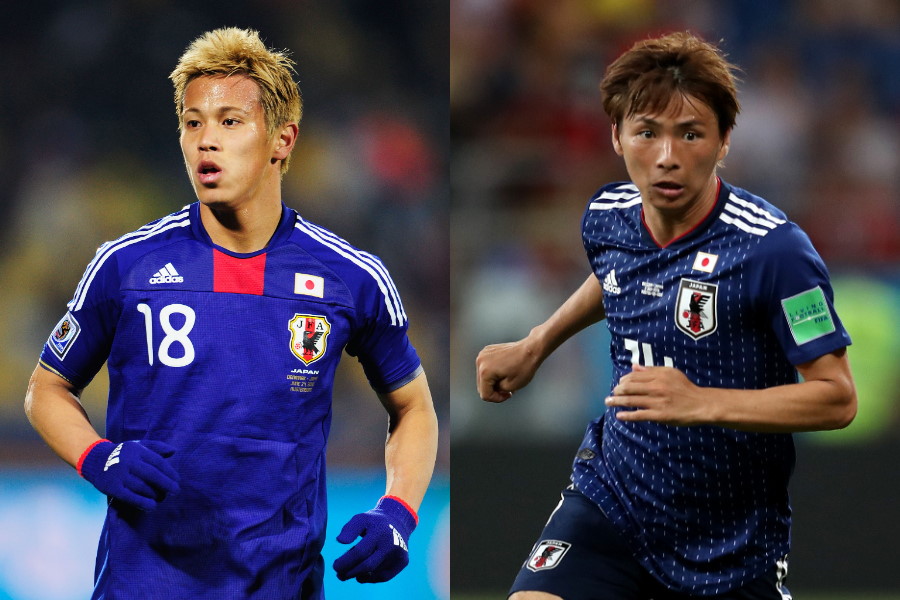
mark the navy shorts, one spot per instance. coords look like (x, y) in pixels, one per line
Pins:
(580, 556)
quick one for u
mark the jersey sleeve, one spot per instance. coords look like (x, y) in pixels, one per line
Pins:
(796, 296)
(380, 340)
(81, 341)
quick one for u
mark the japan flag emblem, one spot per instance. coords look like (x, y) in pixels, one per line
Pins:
(309, 336)
(705, 262)
(309, 285)
(547, 555)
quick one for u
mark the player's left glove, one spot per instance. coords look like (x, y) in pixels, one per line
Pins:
(383, 552)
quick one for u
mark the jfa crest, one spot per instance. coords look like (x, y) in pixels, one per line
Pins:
(695, 308)
(547, 554)
(309, 336)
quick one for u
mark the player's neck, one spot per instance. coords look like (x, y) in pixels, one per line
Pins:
(667, 226)
(244, 229)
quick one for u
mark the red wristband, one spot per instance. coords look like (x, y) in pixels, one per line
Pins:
(406, 506)
(84, 455)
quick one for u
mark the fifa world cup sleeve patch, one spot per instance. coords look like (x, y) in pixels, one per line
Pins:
(808, 315)
(64, 335)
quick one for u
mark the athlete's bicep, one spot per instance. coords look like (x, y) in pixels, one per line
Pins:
(414, 395)
(834, 368)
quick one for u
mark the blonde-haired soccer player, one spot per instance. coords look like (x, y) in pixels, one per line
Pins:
(222, 326)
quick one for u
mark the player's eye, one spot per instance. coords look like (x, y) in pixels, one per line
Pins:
(191, 124)
(229, 122)
(691, 136)
(646, 134)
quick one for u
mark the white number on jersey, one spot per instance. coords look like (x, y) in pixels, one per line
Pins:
(634, 347)
(173, 336)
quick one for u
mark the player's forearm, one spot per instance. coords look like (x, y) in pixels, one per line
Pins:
(808, 406)
(581, 310)
(411, 447)
(56, 414)
(826, 399)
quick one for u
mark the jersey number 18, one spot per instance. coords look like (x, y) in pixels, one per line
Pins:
(173, 336)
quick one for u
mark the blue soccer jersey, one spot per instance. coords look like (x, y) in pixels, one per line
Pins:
(230, 358)
(736, 303)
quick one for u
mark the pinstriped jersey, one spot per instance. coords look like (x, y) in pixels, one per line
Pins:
(229, 358)
(734, 303)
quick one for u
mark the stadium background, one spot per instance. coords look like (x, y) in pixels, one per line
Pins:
(89, 150)
(818, 136)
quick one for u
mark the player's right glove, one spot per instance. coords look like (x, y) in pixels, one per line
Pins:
(135, 472)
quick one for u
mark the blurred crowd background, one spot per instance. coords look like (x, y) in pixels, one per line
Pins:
(89, 151)
(818, 136)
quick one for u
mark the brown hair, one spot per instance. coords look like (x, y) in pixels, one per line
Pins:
(654, 71)
(230, 51)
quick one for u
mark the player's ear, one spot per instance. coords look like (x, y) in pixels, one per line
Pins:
(617, 145)
(726, 144)
(285, 140)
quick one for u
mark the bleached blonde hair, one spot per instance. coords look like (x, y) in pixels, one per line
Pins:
(231, 51)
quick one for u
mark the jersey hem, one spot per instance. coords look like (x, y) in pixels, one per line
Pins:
(396, 385)
(56, 372)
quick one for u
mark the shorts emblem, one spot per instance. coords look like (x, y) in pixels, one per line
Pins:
(547, 555)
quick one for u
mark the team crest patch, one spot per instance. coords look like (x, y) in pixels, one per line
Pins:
(547, 555)
(64, 335)
(309, 336)
(695, 309)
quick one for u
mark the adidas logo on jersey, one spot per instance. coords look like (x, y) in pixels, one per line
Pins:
(167, 274)
(610, 284)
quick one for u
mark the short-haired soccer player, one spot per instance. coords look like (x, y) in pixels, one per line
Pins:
(222, 325)
(714, 301)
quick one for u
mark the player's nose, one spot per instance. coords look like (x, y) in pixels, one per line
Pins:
(208, 141)
(666, 156)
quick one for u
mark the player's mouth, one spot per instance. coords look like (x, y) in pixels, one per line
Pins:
(668, 189)
(209, 172)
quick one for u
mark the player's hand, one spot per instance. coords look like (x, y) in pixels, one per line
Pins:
(135, 472)
(661, 394)
(501, 369)
(383, 552)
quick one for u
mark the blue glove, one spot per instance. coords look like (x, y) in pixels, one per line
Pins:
(135, 472)
(382, 553)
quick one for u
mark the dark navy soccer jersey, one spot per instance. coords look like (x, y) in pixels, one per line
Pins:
(230, 358)
(736, 302)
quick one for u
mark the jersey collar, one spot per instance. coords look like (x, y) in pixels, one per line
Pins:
(282, 232)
